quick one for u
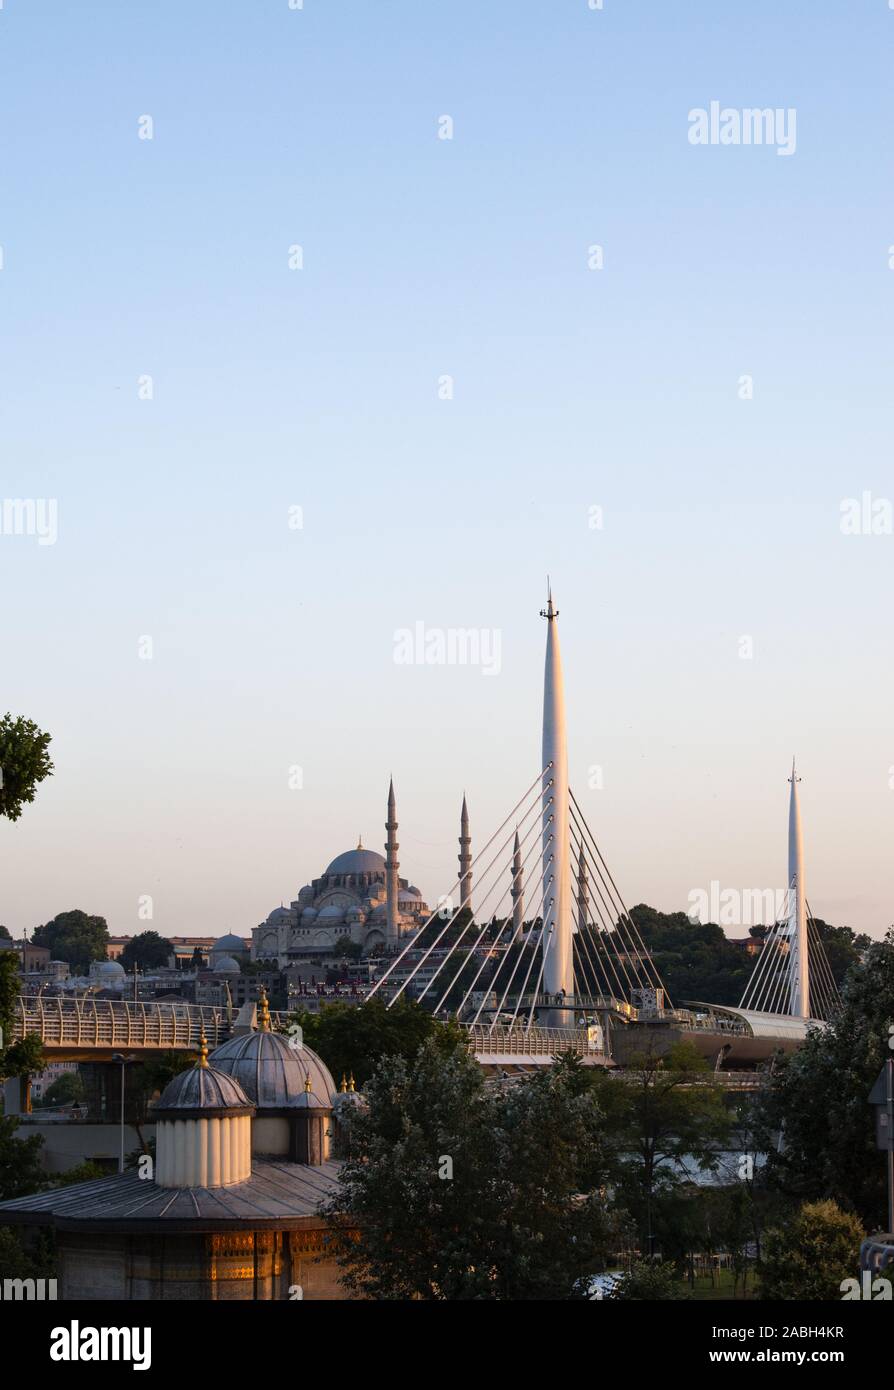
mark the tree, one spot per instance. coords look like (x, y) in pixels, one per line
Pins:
(5, 933)
(809, 1256)
(666, 1115)
(812, 1117)
(66, 1089)
(346, 949)
(454, 1190)
(20, 1169)
(24, 1057)
(147, 951)
(24, 762)
(353, 1037)
(76, 938)
(647, 1281)
(696, 960)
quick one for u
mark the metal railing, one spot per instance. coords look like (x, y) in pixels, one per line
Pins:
(83, 1022)
(527, 1042)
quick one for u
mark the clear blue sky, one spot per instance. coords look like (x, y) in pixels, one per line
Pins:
(318, 388)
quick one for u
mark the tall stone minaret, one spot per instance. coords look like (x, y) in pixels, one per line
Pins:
(583, 889)
(799, 965)
(465, 859)
(558, 971)
(518, 889)
(392, 865)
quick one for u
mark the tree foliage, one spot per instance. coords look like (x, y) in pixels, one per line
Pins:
(353, 1037)
(813, 1118)
(20, 1168)
(648, 1280)
(456, 1190)
(75, 937)
(811, 1254)
(24, 763)
(25, 1056)
(147, 951)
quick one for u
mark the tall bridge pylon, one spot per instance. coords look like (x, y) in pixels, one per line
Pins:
(550, 944)
(792, 974)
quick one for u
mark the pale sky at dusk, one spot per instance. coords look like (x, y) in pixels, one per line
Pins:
(276, 388)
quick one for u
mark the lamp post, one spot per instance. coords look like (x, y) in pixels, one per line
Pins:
(123, 1061)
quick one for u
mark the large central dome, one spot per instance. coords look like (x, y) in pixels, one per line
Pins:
(357, 861)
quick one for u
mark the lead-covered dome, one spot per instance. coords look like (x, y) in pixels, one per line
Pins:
(271, 1071)
(203, 1091)
(357, 861)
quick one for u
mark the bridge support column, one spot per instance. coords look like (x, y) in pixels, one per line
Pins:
(558, 966)
(17, 1095)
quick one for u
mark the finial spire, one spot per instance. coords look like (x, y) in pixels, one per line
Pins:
(549, 611)
(203, 1050)
(344, 1085)
(351, 1086)
(307, 1086)
(263, 1010)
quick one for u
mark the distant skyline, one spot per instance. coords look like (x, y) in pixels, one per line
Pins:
(299, 374)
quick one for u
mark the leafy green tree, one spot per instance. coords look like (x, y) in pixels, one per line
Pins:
(147, 951)
(812, 1117)
(647, 1281)
(5, 933)
(20, 1168)
(844, 948)
(694, 959)
(75, 937)
(809, 1256)
(346, 949)
(667, 1117)
(25, 1056)
(24, 762)
(16, 1262)
(454, 1190)
(353, 1037)
(67, 1088)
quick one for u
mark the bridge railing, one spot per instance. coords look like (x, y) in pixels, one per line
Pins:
(528, 1042)
(113, 1023)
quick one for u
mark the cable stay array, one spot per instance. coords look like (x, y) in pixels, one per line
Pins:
(770, 988)
(483, 963)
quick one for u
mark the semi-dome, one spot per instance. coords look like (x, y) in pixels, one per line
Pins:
(357, 861)
(333, 913)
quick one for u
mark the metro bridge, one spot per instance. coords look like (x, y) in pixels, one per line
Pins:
(570, 974)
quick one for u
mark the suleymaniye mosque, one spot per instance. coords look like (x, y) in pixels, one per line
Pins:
(359, 896)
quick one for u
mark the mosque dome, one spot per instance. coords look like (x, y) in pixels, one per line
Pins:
(279, 914)
(333, 913)
(357, 861)
(228, 944)
(203, 1088)
(226, 965)
(108, 969)
(309, 914)
(271, 1072)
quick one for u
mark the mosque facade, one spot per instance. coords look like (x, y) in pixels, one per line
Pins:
(360, 896)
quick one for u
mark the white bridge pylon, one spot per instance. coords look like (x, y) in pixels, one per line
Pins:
(792, 974)
(575, 950)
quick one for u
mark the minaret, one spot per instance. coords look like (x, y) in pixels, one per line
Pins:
(799, 965)
(558, 974)
(583, 890)
(518, 889)
(465, 858)
(391, 867)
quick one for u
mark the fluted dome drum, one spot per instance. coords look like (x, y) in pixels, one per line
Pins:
(203, 1134)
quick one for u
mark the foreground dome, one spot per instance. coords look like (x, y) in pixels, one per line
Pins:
(272, 1073)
